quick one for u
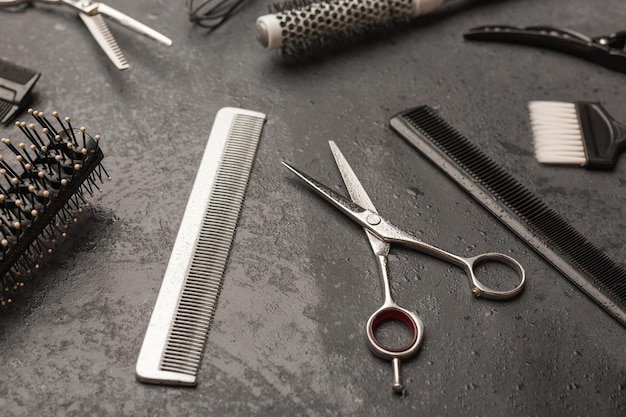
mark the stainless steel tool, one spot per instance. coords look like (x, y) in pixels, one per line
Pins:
(381, 235)
(182, 316)
(91, 14)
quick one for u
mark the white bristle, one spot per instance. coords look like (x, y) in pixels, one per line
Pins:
(556, 133)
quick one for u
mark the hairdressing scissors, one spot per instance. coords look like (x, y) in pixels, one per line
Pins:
(91, 14)
(381, 235)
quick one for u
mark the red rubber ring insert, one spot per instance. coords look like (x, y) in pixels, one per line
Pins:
(399, 315)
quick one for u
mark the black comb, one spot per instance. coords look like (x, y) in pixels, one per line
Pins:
(519, 209)
(16, 84)
(42, 183)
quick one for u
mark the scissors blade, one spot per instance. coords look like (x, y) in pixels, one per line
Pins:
(344, 204)
(355, 189)
(133, 24)
(358, 195)
(101, 33)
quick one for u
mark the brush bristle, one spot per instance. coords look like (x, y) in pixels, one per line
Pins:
(557, 134)
(308, 27)
(42, 185)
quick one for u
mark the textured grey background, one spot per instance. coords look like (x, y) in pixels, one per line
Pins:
(301, 281)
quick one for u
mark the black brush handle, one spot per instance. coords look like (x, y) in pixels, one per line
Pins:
(604, 137)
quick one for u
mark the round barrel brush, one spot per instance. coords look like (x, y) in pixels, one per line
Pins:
(304, 26)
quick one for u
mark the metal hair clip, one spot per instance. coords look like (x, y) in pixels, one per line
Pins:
(608, 51)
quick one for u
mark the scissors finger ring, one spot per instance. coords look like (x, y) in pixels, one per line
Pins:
(395, 355)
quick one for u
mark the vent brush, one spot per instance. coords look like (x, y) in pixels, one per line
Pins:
(304, 26)
(579, 133)
(42, 182)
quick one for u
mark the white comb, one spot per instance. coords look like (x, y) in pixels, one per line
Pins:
(182, 316)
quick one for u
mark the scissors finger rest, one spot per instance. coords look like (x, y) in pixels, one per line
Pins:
(392, 312)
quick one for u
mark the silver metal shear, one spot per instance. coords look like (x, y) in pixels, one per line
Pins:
(91, 14)
(381, 235)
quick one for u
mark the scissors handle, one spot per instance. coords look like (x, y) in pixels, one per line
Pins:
(481, 290)
(388, 312)
(469, 265)
(132, 24)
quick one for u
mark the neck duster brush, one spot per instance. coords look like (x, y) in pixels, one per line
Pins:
(304, 26)
(577, 133)
(42, 185)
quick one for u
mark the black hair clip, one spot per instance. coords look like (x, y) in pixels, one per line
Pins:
(608, 51)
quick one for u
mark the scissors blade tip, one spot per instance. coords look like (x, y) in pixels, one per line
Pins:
(295, 170)
(286, 164)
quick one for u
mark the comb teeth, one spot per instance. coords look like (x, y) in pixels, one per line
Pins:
(182, 315)
(42, 182)
(557, 136)
(102, 34)
(16, 73)
(519, 209)
(5, 108)
(119, 58)
(16, 84)
(203, 283)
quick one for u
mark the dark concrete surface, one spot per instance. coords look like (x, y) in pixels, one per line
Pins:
(301, 281)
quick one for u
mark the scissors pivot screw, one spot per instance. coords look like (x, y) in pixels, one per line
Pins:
(373, 219)
(476, 292)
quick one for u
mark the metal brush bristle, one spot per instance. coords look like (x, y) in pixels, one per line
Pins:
(290, 5)
(304, 27)
(42, 185)
(557, 134)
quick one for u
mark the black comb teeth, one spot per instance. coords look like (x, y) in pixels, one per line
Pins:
(518, 208)
(42, 185)
(16, 84)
